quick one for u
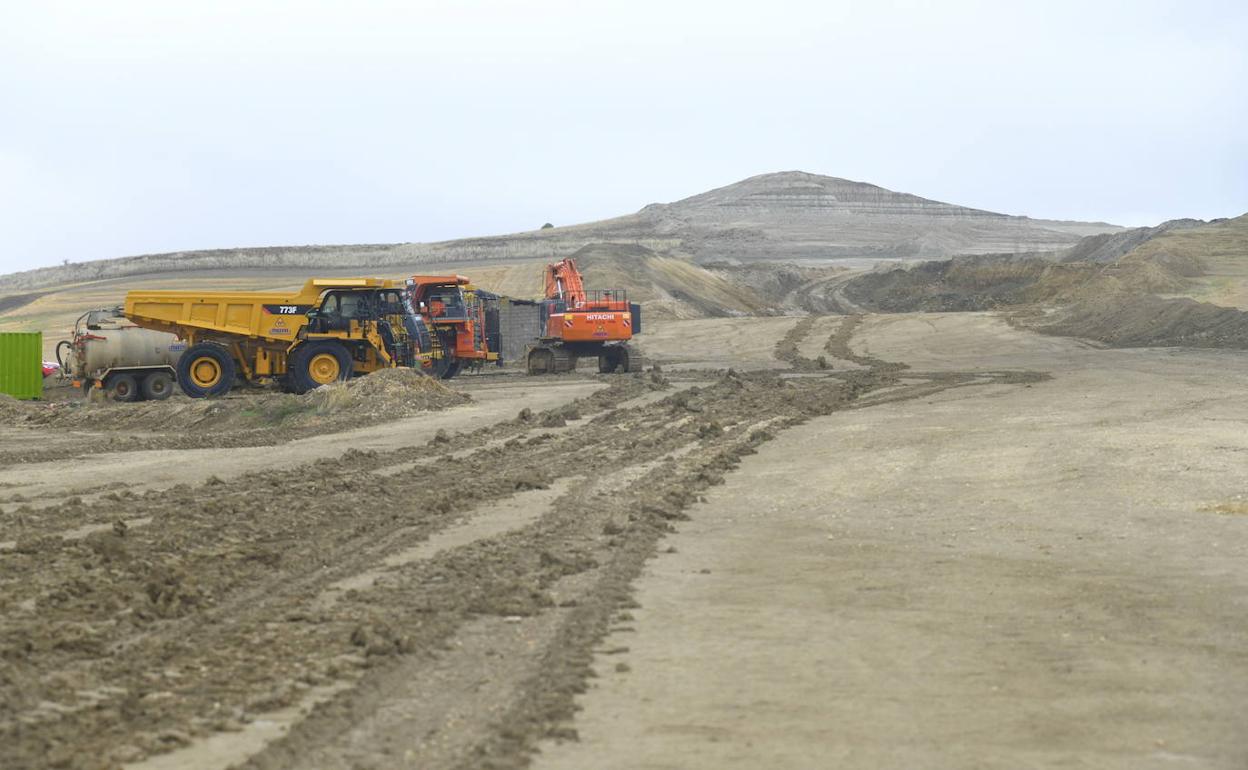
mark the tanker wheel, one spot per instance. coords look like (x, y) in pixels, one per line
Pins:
(122, 388)
(157, 386)
(318, 363)
(206, 369)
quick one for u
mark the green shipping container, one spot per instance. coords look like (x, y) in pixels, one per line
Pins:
(21, 364)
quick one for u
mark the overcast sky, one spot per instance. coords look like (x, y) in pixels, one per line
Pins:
(135, 127)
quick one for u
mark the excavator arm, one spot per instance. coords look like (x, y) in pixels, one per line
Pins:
(563, 282)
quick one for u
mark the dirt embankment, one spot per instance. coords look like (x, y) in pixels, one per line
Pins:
(1116, 303)
(976, 284)
(1128, 321)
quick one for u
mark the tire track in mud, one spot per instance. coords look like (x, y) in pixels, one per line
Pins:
(63, 515)
(134, 596)
(131, 643)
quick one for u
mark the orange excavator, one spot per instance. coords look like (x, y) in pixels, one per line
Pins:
(580, 323)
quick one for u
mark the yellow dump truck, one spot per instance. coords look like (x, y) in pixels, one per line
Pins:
(325, 332)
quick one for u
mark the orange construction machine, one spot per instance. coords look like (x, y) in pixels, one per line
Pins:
(453, 311)
(577, 323)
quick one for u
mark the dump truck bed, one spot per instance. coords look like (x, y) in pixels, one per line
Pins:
(267, 315)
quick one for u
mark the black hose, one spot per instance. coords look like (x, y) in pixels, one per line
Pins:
(60, 361)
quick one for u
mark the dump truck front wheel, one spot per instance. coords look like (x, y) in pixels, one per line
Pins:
(206, 370)
(318, 363)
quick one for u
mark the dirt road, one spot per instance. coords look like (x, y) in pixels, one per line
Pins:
(918, 551)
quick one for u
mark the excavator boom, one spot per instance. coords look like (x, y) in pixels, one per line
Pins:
(563, 282)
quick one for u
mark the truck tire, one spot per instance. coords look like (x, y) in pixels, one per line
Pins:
(123, 388)
(157, 386)
(444, 369)
(318, 363)
(205, 370)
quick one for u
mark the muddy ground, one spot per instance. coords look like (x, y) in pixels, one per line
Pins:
(923, 540)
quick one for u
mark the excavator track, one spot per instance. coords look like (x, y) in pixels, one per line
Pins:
(550, 359)
(619, 359)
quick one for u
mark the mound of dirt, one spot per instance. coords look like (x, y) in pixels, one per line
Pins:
(387, 394)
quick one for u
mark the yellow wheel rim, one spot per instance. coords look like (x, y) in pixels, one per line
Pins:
(205, 372)
(324, 368)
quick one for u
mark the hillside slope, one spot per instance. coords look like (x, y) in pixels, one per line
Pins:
(1110, 247)
(1212, 257)
(787, 215)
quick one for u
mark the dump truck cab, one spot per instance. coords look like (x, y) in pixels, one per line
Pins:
(329, 330)
(454, 311)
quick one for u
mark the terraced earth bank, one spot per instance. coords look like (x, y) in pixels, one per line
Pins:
(449, 588)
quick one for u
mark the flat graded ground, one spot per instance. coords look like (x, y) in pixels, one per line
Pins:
(951, 543)
(716, 343)
(1046, 576)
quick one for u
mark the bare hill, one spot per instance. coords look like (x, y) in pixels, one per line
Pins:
(798, 215)
(788, 215)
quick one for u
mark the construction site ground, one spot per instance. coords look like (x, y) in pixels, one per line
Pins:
(923, 540)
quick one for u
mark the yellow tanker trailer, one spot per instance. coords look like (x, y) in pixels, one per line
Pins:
(327, 331)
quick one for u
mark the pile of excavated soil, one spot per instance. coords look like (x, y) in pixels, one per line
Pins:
(1135, 320)
(389, 393)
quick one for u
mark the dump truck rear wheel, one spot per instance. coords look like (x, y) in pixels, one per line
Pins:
(157, 386)
(314, 364)
(123, 388)
(206, 370)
